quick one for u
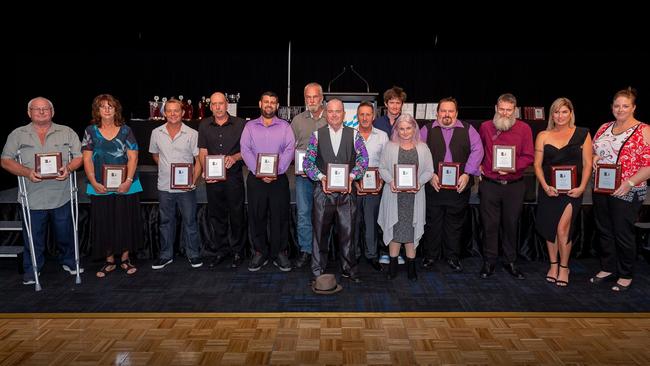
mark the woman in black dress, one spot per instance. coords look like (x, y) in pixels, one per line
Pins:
(561, 144)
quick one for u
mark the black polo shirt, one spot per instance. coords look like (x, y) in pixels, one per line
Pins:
(222, 140)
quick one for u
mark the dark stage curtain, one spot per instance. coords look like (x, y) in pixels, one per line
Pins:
(531, 246)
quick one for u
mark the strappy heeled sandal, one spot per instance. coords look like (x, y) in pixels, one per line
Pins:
(552, 279)
(562, 283)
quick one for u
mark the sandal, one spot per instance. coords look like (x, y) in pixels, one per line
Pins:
(552, 279)
(107, 268)
(562, 283)
(128, 267)
(597, 280)
(620, 288)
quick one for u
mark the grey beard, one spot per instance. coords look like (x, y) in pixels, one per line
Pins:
(503, 123)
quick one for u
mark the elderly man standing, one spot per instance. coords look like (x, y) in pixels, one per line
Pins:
(335, 144)
(49, 199)
(303, 126)
(502, 188)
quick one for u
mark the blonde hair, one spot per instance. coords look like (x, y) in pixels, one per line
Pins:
(557, 104)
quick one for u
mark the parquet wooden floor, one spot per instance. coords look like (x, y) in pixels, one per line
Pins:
(316, 339)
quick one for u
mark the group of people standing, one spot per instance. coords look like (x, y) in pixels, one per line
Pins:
(362, 223)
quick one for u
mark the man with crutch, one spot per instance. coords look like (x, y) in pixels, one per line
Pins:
(42, 154)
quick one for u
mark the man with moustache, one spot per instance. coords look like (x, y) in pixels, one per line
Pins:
(220, 135)
(502, 193)
(368, 203)
(268, 134)
(338, 144)
(450, 140)
(303, 126)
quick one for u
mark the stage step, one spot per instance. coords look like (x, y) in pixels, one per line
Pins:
(12, 251)
(11, 226)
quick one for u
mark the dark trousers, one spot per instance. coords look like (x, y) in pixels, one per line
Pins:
(444, 225)
(226, 205)
(268, 204)
(615, 220)
(61, 220)
(500, 209)
(329, 210)
(367, 214)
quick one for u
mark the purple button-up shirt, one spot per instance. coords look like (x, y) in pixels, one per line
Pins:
(276, 138)
(476, 154)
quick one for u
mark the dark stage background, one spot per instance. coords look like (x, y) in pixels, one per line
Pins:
(71, 69)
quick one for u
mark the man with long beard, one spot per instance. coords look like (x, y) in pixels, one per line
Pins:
(502, 192)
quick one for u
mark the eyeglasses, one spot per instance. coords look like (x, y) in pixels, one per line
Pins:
(42, 110)
(106, 107)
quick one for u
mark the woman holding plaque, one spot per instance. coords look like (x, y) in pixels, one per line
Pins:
(110, 154)
(562, 156)
(402, 212)
(626, 143)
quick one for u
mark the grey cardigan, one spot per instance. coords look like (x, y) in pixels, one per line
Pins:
(388, 207)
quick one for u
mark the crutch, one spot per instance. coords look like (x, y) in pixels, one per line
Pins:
(27, 220)
(74, 209)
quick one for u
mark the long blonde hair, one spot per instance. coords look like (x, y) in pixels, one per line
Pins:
(557, 104)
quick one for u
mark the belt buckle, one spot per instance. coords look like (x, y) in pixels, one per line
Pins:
(502, 182)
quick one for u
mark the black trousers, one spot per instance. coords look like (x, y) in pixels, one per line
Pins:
(268, 205)
(444, 225)
(615, 220)
(329, 210)
(226, 205)
(501, 207)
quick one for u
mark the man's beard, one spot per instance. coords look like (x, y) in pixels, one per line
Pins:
(313, 108)
(268, 115)
(503, 123)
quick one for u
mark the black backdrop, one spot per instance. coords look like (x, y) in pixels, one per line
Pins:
(71, 69)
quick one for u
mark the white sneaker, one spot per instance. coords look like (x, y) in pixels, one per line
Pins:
(384, 259)
(72, 271)
(400, 260)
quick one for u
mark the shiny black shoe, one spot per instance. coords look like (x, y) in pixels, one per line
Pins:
(454, 264)
(216, 260)
(353, 278)
(428, 263)
(302, 260)
(374, 263)
(514, 271)
(487, 270)
(237, 260)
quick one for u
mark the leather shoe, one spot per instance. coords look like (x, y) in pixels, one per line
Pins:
(237, 260)
(374, 263)
(454, 264)
(216, 260)
(487, 270)
(350, 277)
(514, 271)
(428, 263)
(303, 259)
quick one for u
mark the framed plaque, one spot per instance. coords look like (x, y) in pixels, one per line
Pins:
(448, 174)
(298, 159)
(113, 176)
(406, 177)
(182, 176)
(371, 181)
(564, 177)
(503, 158)
(608, 178)
(337, 177)
(48, 164)
(215, 167)
(267, 165)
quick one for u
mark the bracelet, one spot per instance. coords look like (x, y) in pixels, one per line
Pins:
(130, 179)
(630, 183)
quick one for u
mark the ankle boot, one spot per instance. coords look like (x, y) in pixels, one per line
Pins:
(392, 268)
(410, 268)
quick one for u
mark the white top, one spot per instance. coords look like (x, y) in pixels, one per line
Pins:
(375, 144)
(608, 145)
(181, 149)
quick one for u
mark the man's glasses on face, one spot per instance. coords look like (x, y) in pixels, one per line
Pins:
(41, 109)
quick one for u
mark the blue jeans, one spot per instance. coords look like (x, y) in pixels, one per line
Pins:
(186, 203)
(304, 202)
(61, 220)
